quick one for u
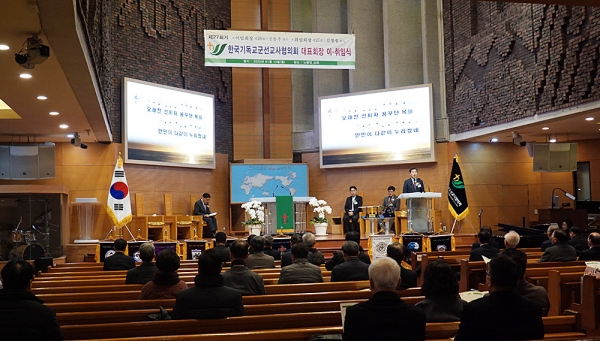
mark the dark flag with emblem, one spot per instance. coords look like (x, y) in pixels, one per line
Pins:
(457, 195)
(118, 206)
(285, 214)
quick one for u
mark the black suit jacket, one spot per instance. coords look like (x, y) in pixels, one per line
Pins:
(484, 250)
(141, 274)
(348, 205)
(409, 278)
(579, 242)
(502, 315)
(223, 252)
(590, 254)
(119, 261)
(559, 252)
(409, 188)
(384, 317)
(351, 270)
(200, 208)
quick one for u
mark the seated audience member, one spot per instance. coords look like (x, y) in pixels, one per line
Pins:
(503, 315)
(560, 251)
(286, 257)
(492, 241)
(208, 298)
(239, 276)
(269, 248)
(23, 316)
(484, 249)
(511, 240)
(397, 251)
(249, 241)
(166, 282)
(119, 260)
(384, 316)
(301, 271)
(566, 225)
(593, 253)
(143, 273)
(352, 269)
(338, 257)
(578, 239)
(546, 244)
(222, 250)
(528, 290)
(317, 257)
(440, 288)
(259, 260)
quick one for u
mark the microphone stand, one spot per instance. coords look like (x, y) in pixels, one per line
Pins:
(480, 211)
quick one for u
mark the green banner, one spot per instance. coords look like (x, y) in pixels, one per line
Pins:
(285, 214)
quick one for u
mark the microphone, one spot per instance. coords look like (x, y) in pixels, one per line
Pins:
(480, 211)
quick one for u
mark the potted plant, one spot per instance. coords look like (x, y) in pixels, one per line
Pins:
(320, 221)
(255, 216)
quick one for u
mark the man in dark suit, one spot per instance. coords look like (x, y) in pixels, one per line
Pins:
(143, 273)
(351, 211)
(492, 241)
(353, 269)
(208, 298)
(503, 315)
(547, 243)
(578, 239)
(258, 259)
(338, 256)
(119, 260)
(384, 316)
(528, 290)
(269, 248)
(484, 249)
(413, 184)
(396, 251)
(593, 253)
(222, 250)
(23, 316)
(201, 208)
(391, 204)
(560, 251)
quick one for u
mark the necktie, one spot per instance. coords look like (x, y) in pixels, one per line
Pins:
(415, 183)
(352, 203)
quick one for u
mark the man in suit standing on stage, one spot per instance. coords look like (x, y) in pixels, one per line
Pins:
(413, 184)
(391, 203)
(201, 208)
(352, 209)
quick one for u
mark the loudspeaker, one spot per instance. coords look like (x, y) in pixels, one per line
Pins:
(555, 157)
(27, 162)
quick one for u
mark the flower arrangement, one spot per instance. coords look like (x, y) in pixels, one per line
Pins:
(255, 212)
(320, 208)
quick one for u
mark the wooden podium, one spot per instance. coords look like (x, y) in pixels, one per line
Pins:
(420, 211)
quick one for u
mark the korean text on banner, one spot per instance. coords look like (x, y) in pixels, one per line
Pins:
(118, 206)
(279, 49)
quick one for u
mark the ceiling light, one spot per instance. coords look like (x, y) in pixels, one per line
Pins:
(552, 140)
(493, 140)
(54, 113)
(63, 126)
(25, 75)
(4, 47)
(545, 128)
(42, 97)
(589, 119)
(70, 136)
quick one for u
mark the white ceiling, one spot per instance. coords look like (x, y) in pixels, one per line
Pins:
(67, 69)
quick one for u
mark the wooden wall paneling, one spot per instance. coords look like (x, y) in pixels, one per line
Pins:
(139, 204)
(168, 202)
(245, 14)
(279, 15)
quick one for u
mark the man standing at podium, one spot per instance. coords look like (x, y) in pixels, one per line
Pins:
(352, 209)
(201, 208)
(413, 184)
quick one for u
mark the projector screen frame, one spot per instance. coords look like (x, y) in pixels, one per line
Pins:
(431, 139)
(211, 159)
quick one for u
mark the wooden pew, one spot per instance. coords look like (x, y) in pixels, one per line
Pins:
(556, 327)
(590, 304)
(562, 290)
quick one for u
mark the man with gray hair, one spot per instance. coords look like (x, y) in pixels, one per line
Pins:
(549, 232)
(144, 272)
(352, 269)
(317, 257)
(384, 316)
(511, 240)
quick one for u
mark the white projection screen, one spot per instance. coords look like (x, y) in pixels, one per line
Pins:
(391, 126)
(168, 126)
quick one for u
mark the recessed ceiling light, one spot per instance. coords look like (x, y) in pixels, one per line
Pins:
(42, 97)
(493, 140)
(589, 119)
(552, 140)
(70, 136)
(4, 47)
(545, 128)
(63, 126)
(54, 113)
(25, 75)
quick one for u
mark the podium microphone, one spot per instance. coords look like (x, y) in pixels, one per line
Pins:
(480, 211)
